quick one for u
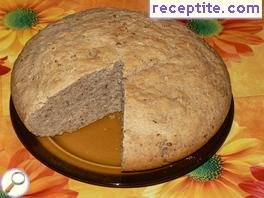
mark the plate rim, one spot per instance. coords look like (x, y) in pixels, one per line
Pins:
(123, 180)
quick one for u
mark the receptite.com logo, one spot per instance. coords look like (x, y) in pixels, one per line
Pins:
(14, 183)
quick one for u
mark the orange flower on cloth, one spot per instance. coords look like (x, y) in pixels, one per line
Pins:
(21, 19)
(3, 69)
(219, 176)
(44, 182)
(230, 38)
(255, 187)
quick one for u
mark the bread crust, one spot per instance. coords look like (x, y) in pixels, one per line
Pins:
(177, 89)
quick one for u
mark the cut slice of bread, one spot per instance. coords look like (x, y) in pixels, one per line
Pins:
(172, 88)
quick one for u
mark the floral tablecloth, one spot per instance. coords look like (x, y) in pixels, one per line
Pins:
(237, 169)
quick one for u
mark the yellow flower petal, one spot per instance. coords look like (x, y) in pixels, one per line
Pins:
(242, 146)
(178, 186)
(7, 5)
(229, 189)
(234, 174)
(241, 166)
(12, 51)
(208, 189)
(5, 42)
(216, 189)
(25, 35)
(51, 14)
(4, 33)
(40, 26)
(181, 192)
(152, 191)
(3, 8)
(50, 11)
(254, 156)
(198, 189)
(236, 129)
(43, 5)
(19, 3)
(33, 4)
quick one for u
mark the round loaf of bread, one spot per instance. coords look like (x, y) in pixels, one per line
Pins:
(172, 89)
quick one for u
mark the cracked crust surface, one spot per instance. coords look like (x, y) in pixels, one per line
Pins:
(177, 89)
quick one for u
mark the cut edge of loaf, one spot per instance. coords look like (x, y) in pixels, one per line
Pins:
(102, 96)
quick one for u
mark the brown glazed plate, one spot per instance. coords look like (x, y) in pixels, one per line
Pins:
(92, 154)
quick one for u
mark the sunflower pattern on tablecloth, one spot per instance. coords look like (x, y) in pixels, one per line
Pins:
(236, 170)
(230, 38)
(219, 176)
(44, 182)
(21, 19)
